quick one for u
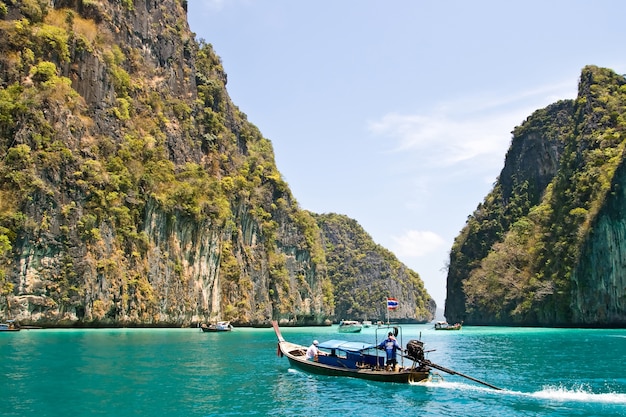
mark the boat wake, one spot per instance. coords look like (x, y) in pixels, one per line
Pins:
(582, 393)
(552, 393)
(451, 385)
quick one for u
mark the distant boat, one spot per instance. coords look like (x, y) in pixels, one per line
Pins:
(444, 325)
(367, 323)
(349, 326)
(9, 326)
(220, 326)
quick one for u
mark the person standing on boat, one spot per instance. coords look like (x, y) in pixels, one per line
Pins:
(390, 344)
(312, 351)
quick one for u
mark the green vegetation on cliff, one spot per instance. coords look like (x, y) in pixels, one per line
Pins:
(132, 190)
(517, 258)
(95, 137)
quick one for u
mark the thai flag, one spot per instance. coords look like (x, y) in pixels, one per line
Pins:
(392, 303)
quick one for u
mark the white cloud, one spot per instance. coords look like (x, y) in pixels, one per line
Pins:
(445, 139)
(467, 129)
(415, 243)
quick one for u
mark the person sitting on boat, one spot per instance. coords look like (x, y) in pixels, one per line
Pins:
(390, 344)
(312, 351)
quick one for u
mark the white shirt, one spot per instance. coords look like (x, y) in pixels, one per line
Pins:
(311, 352)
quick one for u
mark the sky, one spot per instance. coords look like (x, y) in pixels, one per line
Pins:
(399, 113)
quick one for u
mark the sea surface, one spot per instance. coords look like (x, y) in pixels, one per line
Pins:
(184, 372)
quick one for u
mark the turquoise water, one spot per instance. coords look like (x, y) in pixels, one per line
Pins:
(184, 372)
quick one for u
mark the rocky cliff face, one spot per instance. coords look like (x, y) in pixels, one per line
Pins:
(364, 274)
(531, 163)
(545, 248)
(133, 192)
(598, 283)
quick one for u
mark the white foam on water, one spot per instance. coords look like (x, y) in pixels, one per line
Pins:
(451, 385)
(553, 393)
(582, 393)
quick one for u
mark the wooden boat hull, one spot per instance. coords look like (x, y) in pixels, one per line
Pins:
(296, 354)
(403, 376)
(213, 330)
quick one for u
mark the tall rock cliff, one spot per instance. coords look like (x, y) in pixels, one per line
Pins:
(364, 274)
(132, 191)
(546, 246)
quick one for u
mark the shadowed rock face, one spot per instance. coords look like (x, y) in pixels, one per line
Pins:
(531, 163)
(599, 283)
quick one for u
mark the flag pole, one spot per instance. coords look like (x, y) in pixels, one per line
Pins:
(387, 308)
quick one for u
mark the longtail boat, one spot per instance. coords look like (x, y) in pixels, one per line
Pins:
(349, 326)
(9, 326)
(444, 325)
(354, 359)
(359, 360)
(220, 326)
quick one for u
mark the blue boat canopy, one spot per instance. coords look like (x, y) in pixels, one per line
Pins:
(345, 345)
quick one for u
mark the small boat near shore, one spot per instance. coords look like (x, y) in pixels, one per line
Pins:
(444, 325)
(349, 326)
(10, 326)
(220, 326)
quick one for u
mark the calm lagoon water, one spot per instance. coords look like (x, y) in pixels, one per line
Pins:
(184, 372)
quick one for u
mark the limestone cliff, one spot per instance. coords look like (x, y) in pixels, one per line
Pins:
(546, 246)
(364, 274)
(598, 282)
(531, 163)
(133, 192)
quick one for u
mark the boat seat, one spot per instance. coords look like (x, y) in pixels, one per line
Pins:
(298, 352)
(328, 360)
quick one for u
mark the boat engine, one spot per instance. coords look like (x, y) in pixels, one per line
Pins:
(415, 350)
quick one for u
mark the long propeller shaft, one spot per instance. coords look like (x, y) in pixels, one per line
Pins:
(453, 372)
